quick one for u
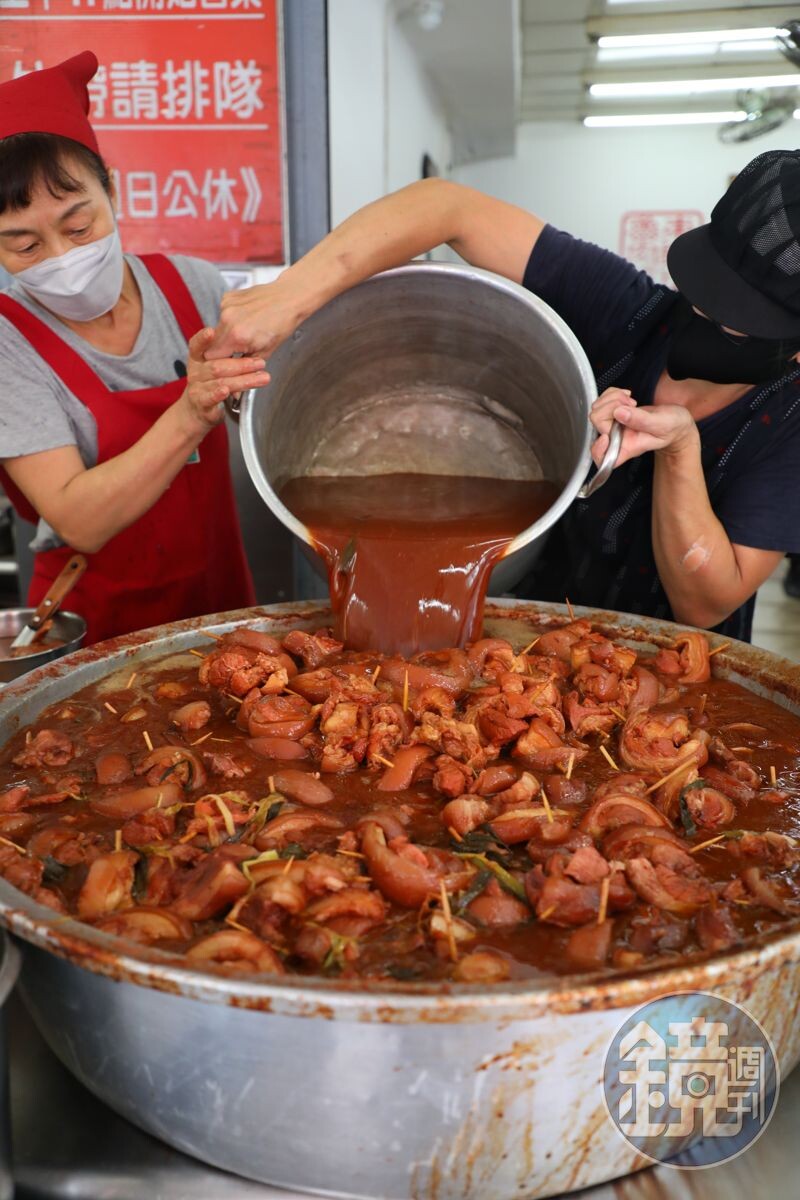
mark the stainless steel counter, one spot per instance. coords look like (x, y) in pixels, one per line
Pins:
(69, 1145)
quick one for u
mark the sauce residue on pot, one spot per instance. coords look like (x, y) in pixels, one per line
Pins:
(409, 555)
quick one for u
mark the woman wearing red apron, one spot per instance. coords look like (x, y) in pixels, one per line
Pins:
(111, 431)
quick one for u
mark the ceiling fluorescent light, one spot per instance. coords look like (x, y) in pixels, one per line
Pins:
(688, 87)
(685, 39)
(748, 47)
(690, 118)
(638, 54)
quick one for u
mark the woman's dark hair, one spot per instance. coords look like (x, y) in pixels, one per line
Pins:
(28, 159)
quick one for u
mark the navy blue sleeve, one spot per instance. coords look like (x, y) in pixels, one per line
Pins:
(762, 508)
(595, 291)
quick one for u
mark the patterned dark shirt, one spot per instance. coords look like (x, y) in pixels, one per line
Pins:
(600, 553)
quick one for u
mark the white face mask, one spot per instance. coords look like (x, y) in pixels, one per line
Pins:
(80, 285)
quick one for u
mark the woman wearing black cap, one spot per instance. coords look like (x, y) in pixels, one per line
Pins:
(704, 501)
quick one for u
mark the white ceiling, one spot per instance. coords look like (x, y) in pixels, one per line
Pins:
(559, 54)
(495, 63)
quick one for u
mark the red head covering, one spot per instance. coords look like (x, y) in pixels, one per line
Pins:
(55, 100)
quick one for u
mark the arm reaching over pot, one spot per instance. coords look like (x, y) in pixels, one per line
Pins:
(485, 231)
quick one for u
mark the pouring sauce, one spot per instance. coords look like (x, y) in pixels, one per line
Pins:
(409, 555)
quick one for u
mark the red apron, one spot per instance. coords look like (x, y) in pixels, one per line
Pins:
(184, 557)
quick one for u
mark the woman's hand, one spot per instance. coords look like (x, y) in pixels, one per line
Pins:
(666, 428)
(208, 384)
(254, 320)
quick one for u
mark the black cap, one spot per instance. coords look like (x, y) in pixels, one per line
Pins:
(743, 268)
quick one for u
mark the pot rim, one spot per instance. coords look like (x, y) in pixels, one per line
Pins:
(9, 966)
(498, 283)
(306, 996)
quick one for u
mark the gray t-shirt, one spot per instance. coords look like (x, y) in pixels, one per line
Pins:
(37, 412)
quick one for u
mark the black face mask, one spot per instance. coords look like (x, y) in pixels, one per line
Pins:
(700, 350)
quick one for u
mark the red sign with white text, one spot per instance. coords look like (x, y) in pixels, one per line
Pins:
(186, 106)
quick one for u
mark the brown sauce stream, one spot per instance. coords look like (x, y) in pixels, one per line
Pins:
(409, 556)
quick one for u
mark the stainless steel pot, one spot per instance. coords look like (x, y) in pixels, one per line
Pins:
(66, 625)
(431, 367)
(424, 1093)
(9, 969)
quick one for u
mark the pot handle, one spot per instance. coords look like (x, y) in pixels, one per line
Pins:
(607, 465)
(233, 404)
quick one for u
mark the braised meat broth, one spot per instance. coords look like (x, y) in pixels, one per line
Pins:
(473, 815)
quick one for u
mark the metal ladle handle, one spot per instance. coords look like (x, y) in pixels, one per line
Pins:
(233, 404)
(607, 465)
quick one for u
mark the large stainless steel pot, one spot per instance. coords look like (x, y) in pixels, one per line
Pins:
(464, 1093)
(434, 367)
(9, 969)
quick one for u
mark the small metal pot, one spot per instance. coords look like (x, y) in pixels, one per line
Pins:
(444, 368)
(67, 626)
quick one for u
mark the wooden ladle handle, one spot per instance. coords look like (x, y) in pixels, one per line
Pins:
(62, 585)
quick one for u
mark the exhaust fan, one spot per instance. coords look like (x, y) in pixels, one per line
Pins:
(765, 111)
